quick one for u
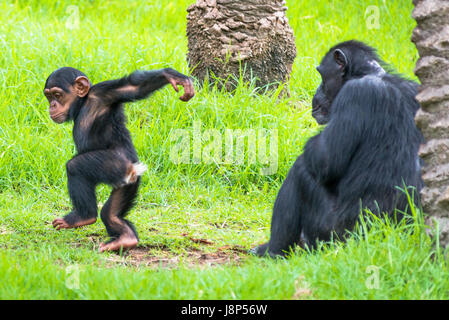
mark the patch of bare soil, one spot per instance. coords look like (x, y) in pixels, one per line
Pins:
(163, 257)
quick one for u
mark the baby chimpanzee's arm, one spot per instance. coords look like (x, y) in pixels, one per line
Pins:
(140, 84)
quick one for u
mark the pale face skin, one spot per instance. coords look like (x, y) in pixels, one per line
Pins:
(59, 103)
(60, 100)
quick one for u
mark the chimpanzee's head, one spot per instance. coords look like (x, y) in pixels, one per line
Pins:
(62, 89)
(345, 61)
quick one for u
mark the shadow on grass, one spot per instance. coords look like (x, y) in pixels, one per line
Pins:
(160, 256)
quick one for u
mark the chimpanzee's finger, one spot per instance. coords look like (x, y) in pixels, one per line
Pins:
(173, 83)
(189, 91)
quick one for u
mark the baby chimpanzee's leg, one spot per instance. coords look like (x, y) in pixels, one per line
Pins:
(84, 173)
(121, 231)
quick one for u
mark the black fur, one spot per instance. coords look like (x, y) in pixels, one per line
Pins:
(368, 149)
(63, 78)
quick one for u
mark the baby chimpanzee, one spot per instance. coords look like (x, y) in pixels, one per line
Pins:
(106, 153)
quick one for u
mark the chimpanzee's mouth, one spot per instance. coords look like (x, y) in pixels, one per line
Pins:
(58, 118)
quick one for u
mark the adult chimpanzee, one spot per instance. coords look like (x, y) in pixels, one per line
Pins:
(105, 151)
(368, 149)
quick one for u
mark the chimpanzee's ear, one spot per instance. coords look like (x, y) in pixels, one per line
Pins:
(82, 86)
(341, 59)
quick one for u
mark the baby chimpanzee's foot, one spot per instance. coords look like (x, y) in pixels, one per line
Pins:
(72, 220)
(123, 242)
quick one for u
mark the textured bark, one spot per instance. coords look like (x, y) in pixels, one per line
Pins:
(224, 34)
(431, 37)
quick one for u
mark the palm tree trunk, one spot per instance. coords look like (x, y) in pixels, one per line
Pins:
(431, 37)
(227, 36)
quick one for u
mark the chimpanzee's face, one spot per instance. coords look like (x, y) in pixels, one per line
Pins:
(62, 91)
(60, 102)
(331, 71)
(321, 106)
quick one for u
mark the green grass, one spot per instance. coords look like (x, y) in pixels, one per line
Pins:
(228, 205)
